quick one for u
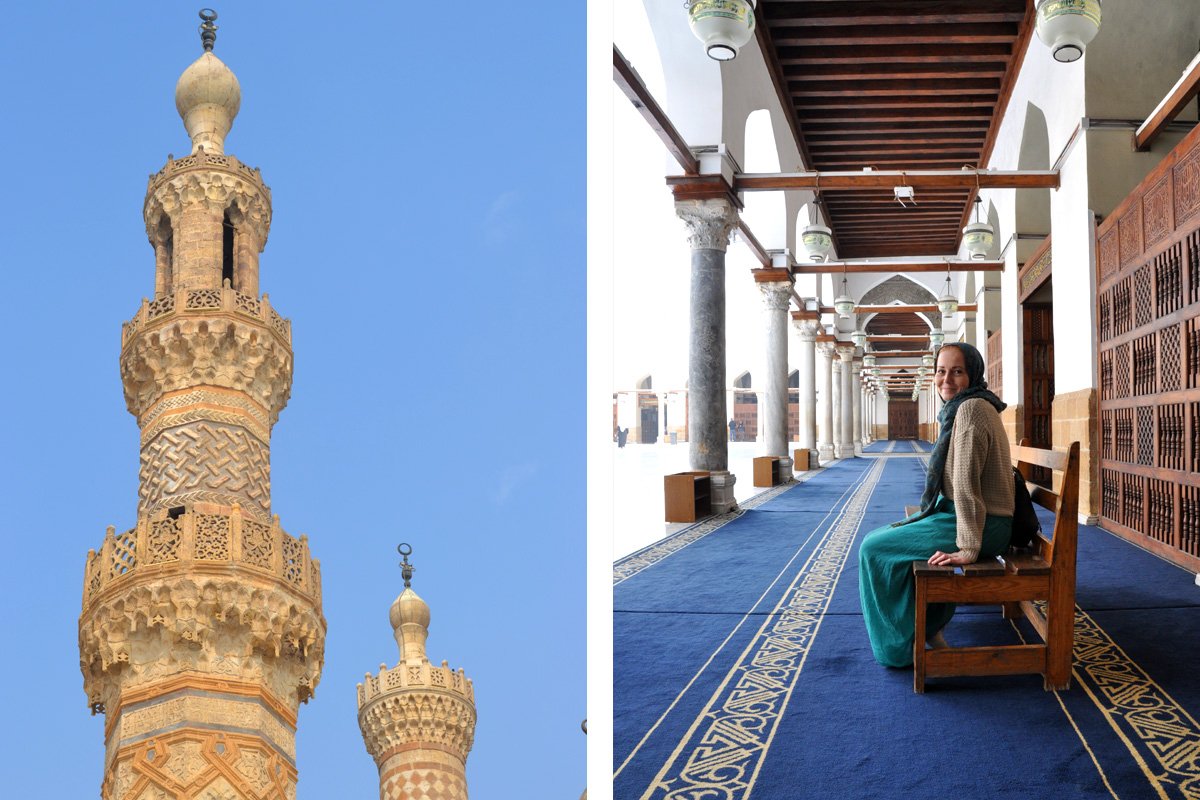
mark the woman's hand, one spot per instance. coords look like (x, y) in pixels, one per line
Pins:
(940, 559)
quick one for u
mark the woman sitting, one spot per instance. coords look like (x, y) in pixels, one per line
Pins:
(966, 510)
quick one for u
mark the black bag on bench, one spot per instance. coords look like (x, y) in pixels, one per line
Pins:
(1025, 522)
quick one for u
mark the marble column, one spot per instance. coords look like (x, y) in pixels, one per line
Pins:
(776, 297)
(825, 376)
(709, 223)
(845, 444)
(808, 329)
(856, 409)
(835, 399)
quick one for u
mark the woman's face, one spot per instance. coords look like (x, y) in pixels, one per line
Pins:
(950, 377)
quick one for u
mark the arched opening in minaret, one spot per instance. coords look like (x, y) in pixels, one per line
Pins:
(166, 256)
(227, 272)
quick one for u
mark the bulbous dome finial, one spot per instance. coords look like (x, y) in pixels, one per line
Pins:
(208, 95)
(409, 615)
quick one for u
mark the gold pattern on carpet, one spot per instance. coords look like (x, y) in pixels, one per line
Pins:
(724, 749)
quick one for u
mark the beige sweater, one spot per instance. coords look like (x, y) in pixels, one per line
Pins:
(978, 476)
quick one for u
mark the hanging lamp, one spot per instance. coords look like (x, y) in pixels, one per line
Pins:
(1067, 26)
(843, 304)
(947, 303)
(723, 26)
(869, 360)
(859, 338)
(936, 337)
(978, 235)
(816, 239)
(927, 361)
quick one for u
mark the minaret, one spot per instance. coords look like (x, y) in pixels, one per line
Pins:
(201, 631)
(417, 720)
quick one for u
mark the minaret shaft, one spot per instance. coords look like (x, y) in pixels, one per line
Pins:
(202, 631)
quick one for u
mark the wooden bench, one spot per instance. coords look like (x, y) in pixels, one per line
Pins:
(1016, 581)
(687, 496)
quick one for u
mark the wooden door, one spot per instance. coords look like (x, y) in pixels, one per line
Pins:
(902, 419)
(1039, 379)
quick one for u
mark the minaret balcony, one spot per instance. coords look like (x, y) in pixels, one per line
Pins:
(206, 301)
(202, 537)
(208, 162)
(409, 677)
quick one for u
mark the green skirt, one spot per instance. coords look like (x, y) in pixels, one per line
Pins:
(885, 579)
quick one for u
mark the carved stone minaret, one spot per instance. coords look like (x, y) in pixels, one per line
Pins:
(201, 631)
(418, 720)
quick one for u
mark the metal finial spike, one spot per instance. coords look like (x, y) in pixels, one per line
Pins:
(208, 31)
(406, 569)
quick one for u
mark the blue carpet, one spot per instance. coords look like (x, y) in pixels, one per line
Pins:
(742, 668)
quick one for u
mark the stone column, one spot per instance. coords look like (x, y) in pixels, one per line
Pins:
(807, 327)
(856, 409)
(709, 223)
(777, 294)
(825, 376)
(845, 445)
(835, 400)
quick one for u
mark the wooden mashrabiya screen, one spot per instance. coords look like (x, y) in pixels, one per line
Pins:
(1148, 337)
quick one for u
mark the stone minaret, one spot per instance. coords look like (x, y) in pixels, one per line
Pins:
(417, 720)
(201, 631)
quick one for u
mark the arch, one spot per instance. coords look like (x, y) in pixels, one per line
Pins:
(645, 383)
(764, 212)
(742, 381)
(1032, 206)
(794, 379)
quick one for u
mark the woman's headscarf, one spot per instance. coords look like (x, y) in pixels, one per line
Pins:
(977, 387)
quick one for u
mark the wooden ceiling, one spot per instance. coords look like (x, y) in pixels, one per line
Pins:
(895, 85)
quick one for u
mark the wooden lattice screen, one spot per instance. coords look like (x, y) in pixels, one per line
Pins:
(1148, 337)
(995, 365)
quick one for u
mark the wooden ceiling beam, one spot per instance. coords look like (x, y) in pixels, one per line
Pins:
(930, 114)
(915, 103)
(899, 85)
(891, 265)
(888, 179)
(930, 53)
(898, 140)
(962, 35)
(901, 13)
(634, 88)
(927, 309)
(1182, 93)
(849, 71)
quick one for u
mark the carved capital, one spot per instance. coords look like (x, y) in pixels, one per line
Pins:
(417, 717)
(224, 622)
(776, 294)
(807, 329)
(845, 352)
(206, 351)
(710, 222)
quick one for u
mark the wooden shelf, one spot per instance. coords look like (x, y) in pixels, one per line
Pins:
(768, 471)
(688, 496)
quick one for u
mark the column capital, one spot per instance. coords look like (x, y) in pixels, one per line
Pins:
(777, 295)
(807, 328)
(845, 352)
(710, 222)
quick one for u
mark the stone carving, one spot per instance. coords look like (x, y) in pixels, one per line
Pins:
(427, 718)
(423, 784)
(777, 295)
(234, 624)
(203, 461)
(710, 222)
(203, 351)
(214, 189)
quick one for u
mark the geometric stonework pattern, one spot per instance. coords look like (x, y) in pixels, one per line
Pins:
(423, 784)
(208, 462)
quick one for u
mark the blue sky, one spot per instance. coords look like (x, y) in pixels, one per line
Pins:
(428, 245)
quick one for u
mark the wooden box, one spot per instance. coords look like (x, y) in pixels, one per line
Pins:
(687, 496)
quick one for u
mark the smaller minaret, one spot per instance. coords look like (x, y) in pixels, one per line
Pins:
(417, 719)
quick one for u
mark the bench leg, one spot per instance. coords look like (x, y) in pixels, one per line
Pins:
(1011, 610)
(919, 637)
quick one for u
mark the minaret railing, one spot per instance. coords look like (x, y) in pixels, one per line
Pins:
(207, 301)
(209, 537)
